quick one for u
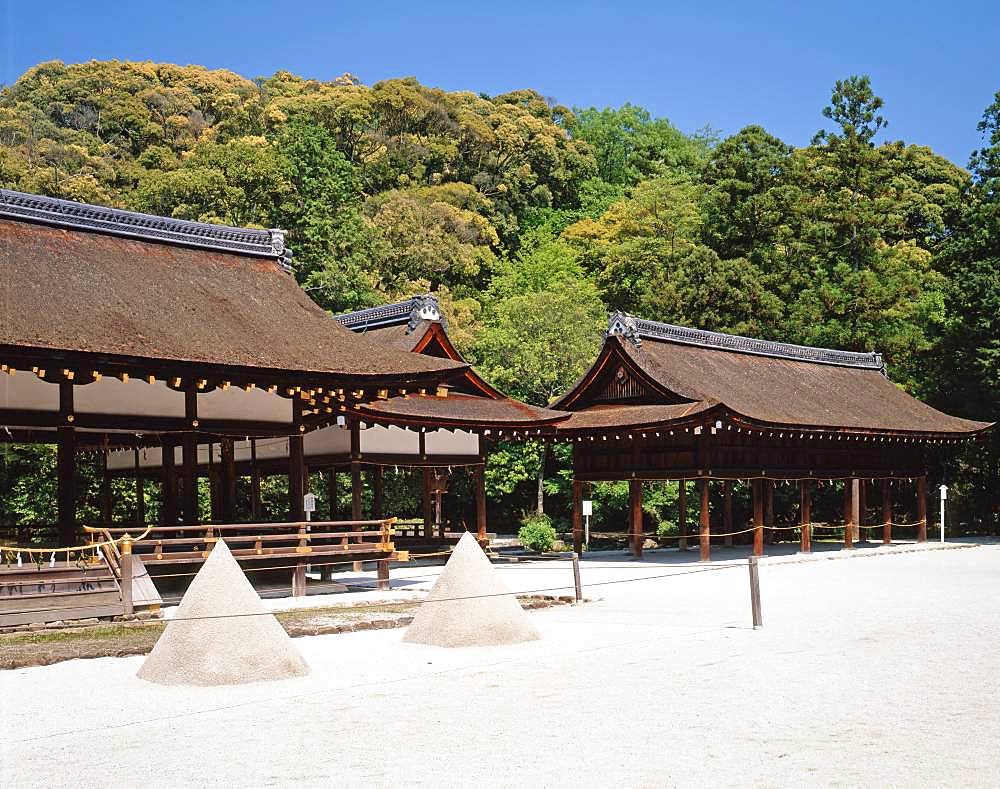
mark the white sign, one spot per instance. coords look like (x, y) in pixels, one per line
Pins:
(944, 492)
(309, 503)
(588, 507)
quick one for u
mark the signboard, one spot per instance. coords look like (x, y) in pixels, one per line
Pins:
(309, 503)
(588, 507)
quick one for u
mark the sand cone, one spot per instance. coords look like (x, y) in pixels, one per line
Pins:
(229, 649)
(489, 615)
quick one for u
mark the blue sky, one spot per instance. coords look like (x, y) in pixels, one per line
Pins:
(722, 64)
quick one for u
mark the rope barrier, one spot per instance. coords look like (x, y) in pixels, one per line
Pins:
(74, 549)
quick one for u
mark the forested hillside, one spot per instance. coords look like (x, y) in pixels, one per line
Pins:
(531, 220)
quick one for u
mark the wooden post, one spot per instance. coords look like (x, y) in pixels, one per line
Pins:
(428, 505)
(577, 515)
(635, 510)
(107, 503)
(438, 516)
(377, 493)
(769, 511)
(922, 509)
(356, 486)
(704, 524)
(849, 513)
(296, 479)
(228, 489)
(886, 512)
(755, 594)
(125, 568)
(860, 535)
(140, 489)
(169, 485)
(331, 493)
(189, 462)
(382, 572)
(299, 580)
(727, 511)
(577, 585)
(256, 511)
(66, 466)
(805, 516)
(479, 483)
(757, 494)
(682, 517)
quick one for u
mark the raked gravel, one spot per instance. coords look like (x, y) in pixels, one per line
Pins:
(868, 672)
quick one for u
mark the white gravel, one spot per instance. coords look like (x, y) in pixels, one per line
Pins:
(470, 605)
(221, 633)
(869, 672)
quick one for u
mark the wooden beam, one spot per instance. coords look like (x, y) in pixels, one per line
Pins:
(578, 516)
(805, 516)
(757, 494)
(922, 509)
(886, 512)
(682, 522)
(635, 511)
(228, 488)
(479, 483)
(727, 511)
(704, 524)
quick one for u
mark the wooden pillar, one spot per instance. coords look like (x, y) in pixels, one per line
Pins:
(635, 516)
(850, 514)
(682, 516)
(296, 479)
(757, 494)
(169, 485)
(922, 509)
(886, 512)
(727, 512)
(577, 516)
(860, 535)
(428, 505)
(704, 524)
(140, 490)
(228, 488)
(256, 511)
(377, 493)
(438, 516)
(805, 516)
(479, 483)
(189, 462)
(382, 574)
(107, 501)
(213, 485)
(356, 486)
(331, 493)
(769, 510)
(66, 466)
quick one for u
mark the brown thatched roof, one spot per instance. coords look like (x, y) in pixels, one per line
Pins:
(84, 279)
(753, 380)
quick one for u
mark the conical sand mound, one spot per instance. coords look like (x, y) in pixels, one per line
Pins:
(487, 614)
(230, 646)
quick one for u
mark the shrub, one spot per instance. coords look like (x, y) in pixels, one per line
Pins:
(537, 532)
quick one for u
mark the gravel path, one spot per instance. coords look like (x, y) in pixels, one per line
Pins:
(880, 671)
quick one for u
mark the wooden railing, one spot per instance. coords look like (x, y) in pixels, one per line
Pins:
(366, 539)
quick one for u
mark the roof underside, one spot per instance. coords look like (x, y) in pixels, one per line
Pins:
(77, 290)
(460, 410)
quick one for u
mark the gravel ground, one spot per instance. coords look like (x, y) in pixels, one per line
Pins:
(879, 672)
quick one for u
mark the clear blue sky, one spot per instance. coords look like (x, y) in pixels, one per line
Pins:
(725, 64)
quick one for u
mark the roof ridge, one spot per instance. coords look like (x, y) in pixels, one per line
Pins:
(636, 329)
(148, 227)
(411, 311)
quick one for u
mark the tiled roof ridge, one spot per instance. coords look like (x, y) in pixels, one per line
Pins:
(148, 227)
(636, 329)
(410, 311)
